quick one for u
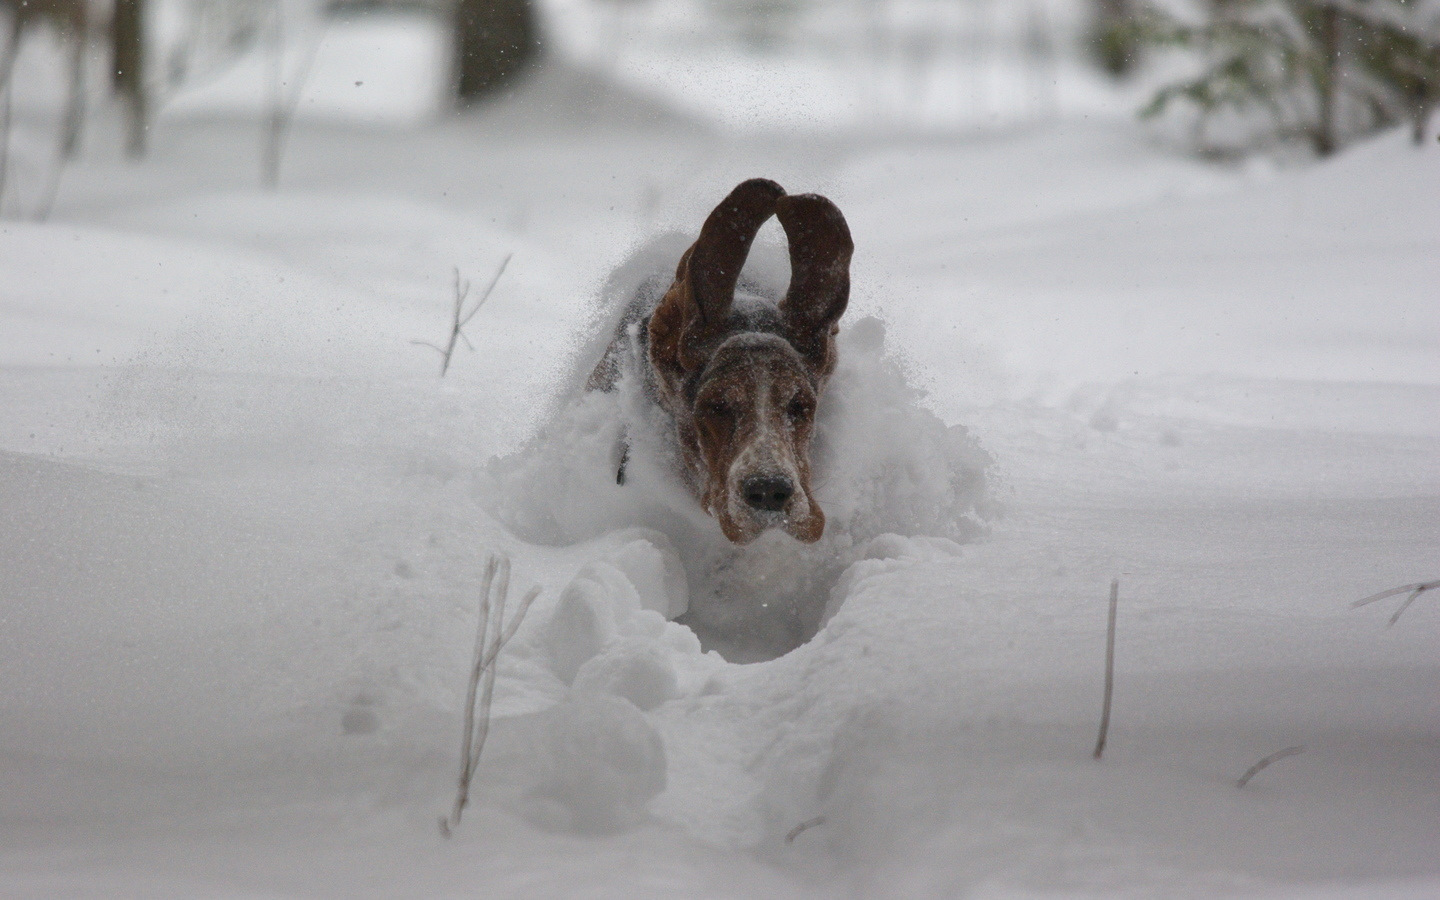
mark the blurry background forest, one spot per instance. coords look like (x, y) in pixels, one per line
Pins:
(1243, 73)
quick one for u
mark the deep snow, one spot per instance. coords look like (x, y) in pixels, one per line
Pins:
(245, 523)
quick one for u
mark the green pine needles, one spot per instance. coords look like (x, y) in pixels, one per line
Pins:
(1322, 72)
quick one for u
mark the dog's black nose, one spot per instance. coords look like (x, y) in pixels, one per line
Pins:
(768, 492)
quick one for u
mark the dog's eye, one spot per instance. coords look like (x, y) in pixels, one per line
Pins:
(799, 408)
(717, 408)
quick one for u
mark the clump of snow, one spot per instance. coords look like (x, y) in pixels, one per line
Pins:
(589, 764)
(885, 463)
(631, 668)
(603, 603)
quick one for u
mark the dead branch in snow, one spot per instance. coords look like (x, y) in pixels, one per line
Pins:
(1274, 757)
(6, 112)
(51, 189)
(283, 105)
(460, 317)
(802, 828)
(494, 589)
(1414, 590)
(1109, 669)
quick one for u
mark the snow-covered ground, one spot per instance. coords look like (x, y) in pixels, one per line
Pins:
(245, 522)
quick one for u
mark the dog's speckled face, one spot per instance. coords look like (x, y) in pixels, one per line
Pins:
(753, 414)
(742, 380)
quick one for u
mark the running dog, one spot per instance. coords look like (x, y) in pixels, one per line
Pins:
(740, 372)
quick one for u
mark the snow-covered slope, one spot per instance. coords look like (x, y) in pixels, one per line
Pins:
(245, 526)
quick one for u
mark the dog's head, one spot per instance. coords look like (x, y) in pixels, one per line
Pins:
(742, 376)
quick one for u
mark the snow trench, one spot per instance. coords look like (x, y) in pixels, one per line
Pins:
(895, 483)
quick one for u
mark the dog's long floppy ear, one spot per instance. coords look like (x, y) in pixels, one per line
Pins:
(820, 250)
(695, 309)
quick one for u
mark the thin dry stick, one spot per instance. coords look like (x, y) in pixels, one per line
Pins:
(5, 123)
(1414, 590)
(52, 185)
(487, 696)
(509, 632)
(462, 795)
(459, 318)
(52, 189)
(488, 643)
(802, 828)
(283, 106)
(1109, 669)
(1274, 757)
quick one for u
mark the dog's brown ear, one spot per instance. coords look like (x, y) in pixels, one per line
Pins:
(820, 250)
(706, 277)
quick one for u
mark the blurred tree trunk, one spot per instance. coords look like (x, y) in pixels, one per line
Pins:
(127, 53)
(495, 40)
(1113, 39)
(1325, 139)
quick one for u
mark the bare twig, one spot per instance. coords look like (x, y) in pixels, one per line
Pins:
(480, 692)
(509, 632)
(1414, 590)
(1109, 669)
(52, 181)
(803, 827)
(283, 105)
(459, 317)
(494, 280)
(477, 667)
(1274, 757)
(481, 716)
(52, 189)
(5, 123)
